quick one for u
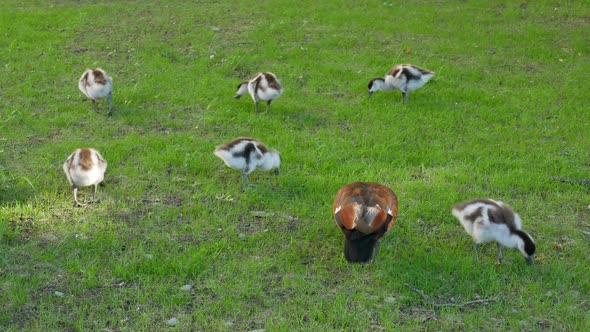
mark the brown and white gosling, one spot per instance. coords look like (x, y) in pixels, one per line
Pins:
(247, 154)
(488, 220)
(264, 86)
(404, 78)
(96, 84)
(85, 167)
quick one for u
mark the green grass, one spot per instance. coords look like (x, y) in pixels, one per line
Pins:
(506, 117)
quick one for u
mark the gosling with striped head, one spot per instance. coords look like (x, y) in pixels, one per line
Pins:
(405, 78)
(364, 212)
(85, 167)
(264, 86)
(247, 154)
(487, 220)
(96, 84)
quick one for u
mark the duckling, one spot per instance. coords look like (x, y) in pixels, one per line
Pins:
(85, 167)
(488, 220)
(96, 84)
(264, 86)
(405, 78)
(364, 211)
(247, 154)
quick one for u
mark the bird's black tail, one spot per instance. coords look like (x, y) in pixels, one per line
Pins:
(360, 250)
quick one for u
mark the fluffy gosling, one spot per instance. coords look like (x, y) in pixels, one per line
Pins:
(404, 78)
(85, 167)
(365, 212)
(264, 86)
(247, 154)
(96, 84)
(487, 220)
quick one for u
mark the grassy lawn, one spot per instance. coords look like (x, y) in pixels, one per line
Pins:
(506, 117)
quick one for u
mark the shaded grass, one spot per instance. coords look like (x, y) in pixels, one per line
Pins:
(505, 115)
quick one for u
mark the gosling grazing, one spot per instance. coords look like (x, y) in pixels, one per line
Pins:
(264, 86)
(247, 154)
(404, 78)
(85, 167)
(364, 211)
(487, 220)
(96, 84)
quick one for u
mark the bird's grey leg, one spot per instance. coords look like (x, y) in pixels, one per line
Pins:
(256, 106)
(406, 96)
(375, 252)
(244, 180)
(76, 202)
(94, 105)
(94, 199)
(475, 247)
(500, 258)
(110, 99)
(268, 106)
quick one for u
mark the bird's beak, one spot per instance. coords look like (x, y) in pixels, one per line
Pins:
(237, 97)
(370, 93)
(530, 260)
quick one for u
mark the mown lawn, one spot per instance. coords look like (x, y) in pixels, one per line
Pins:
(506, 117)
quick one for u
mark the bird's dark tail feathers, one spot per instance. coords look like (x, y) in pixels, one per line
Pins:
(360, 250)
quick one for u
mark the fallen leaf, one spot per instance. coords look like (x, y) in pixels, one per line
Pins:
(172, 322)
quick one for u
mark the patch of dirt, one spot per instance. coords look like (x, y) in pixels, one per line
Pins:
(419, 314)
(259, 221)
(22, 229)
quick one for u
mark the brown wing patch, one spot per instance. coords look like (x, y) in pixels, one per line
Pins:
(357, 192)
(508, 214)
(99, 77)
(262, 147)
(379, 220)
(86, 159)
(387, 201)
(346, 217)
(367, 194)
(376, 200)
(502, 215)
(85, 79)
(383, 196)
(70, 162)
(257, 82)
(461, 206)
(394, 71)
(272, 81)
(475, 214)
(228, 145)
(423, 70)
(383, 223)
